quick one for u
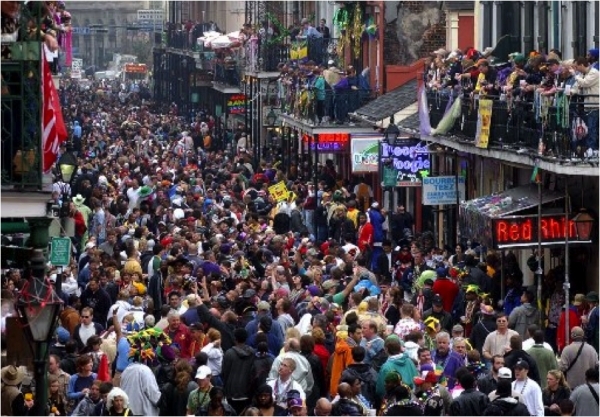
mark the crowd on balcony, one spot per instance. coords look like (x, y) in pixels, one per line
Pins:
(537, 82)
(322, 94)
(50, 23)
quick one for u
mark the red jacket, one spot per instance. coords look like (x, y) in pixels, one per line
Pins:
(448, 290)
(574, 320)
(365, 236)
(80, 227)
(183, 338)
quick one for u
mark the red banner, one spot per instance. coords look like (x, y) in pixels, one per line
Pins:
(54, 131)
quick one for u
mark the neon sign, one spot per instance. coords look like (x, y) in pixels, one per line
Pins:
(523, 230)
(236, 104)
(328, 142)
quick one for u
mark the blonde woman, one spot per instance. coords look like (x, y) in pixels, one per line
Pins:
(557, 389)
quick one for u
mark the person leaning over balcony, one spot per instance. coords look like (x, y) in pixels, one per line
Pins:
(586, 85)
(308, 30)
(486, 80)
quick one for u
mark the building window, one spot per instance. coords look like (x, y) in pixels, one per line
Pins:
(542, 40)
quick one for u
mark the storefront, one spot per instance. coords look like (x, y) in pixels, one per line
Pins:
(512, 221)
(309, 145)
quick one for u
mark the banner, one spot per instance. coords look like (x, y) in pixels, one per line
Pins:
(279, 191)
(484, 123)
(424, 122)
(54, 130)
(76, 66)
(408, 158)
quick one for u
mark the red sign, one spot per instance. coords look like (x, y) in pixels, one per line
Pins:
(236, 104)
(329, 142)
(521, 231)
(137, 68)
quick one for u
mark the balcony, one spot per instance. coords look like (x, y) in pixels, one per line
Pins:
(520, 125)
(266, 56)
(302, 105)
(20, 109)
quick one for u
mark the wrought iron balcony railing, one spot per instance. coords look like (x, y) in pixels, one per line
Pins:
(20, 106)
(567, 130)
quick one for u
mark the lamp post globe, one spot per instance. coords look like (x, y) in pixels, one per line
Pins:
(391, 133)
(67, 165)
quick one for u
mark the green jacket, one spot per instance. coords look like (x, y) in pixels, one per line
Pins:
(401, 364)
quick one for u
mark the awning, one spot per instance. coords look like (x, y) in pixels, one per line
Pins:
(401, 102)
(476, 215)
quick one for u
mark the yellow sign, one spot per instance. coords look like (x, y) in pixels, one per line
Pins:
(279, 191)
(292, 196)
(484, 123)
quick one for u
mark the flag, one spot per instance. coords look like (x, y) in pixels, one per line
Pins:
(54, 131)
(424, 123)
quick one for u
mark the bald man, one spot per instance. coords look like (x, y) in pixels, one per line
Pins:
(323, 407)
(345, 406)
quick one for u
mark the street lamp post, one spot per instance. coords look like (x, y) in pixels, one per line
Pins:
(390, 136)
(38, 308)
(67, 165)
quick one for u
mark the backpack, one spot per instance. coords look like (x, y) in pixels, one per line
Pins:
(261, 366)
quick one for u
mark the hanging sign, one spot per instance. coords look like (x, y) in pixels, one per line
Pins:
(484, 123)
(76, 65)
(328, 142)
(365, 154)
(442, 190)
(236, 104)
(523, 231)
(409, 157)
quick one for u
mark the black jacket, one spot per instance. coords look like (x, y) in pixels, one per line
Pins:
(383, 267)
(319, 389)
(485, 326)
(226, 332)
(346, 407)
(506, 406)
(487, 384)
(443, 316)
(469, 403)
(512, 357)
(236, 372)
(99, 301)
(368, 379)
(562, 393)
(297, 222)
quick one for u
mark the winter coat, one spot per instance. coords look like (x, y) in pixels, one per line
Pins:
(297, 223)
(401, 364)
(236, 372)
(506, 406)
(511, 358)
(485, 326)
(545, 361)
(340, 360)
(377, 220)
(368, 379)
(469, 403)
(319, 387)
(522, 317)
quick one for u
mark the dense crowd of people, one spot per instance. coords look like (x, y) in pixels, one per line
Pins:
(194, 291)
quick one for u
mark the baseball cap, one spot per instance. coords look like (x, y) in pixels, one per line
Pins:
(458, 328)
(441, 272)
(203, 372)
(579, 299)
(264, 306)
(196, 326)
(249, 293)
(327, 285)
(294, 402)
(521, 364)
(437, 300)
(504, 372)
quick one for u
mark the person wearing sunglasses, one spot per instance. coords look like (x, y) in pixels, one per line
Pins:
(86, 328)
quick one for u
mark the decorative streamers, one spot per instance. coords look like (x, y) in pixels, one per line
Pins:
(283, 32)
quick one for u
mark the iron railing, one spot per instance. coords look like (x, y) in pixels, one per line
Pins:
(566, 130)
(20, 108)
